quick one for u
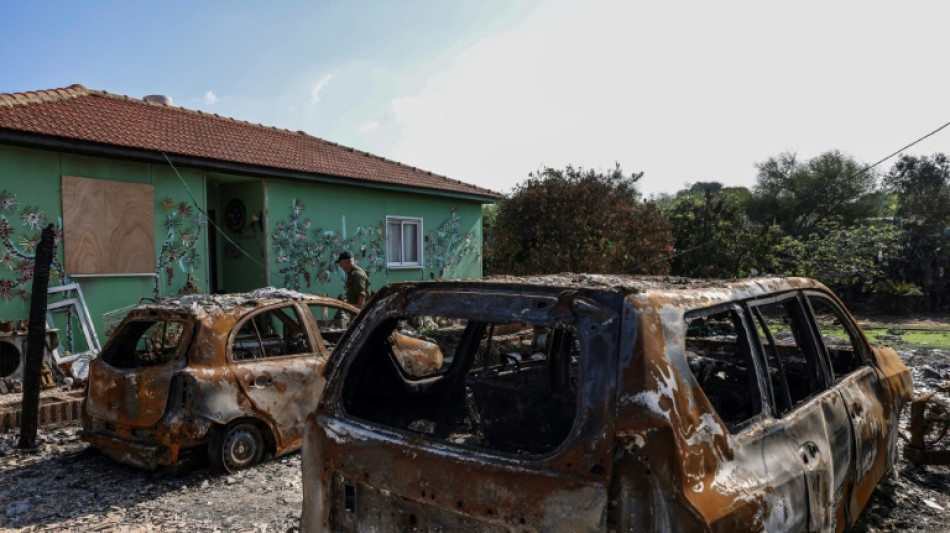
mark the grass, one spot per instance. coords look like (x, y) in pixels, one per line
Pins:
(911, 338)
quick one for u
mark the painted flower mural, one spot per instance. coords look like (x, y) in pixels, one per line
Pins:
(17, 252)
(33, 217)
(447, 246)
(307, 256)
(180, 248)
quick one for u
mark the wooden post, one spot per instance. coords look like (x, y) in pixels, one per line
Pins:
(36, 340)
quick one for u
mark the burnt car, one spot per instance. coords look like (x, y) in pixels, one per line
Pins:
(600, 403)
(234, 375)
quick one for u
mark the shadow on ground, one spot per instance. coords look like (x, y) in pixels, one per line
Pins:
(80, 483)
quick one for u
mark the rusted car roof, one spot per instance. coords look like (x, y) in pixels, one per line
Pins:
(210, 304)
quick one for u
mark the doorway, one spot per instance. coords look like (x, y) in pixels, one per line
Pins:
(238, 249)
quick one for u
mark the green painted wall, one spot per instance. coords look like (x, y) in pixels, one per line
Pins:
(305, 242)
(301, 245)
(34, 178)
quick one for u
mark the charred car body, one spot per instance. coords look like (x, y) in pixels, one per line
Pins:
(593, 403)
(233, 374)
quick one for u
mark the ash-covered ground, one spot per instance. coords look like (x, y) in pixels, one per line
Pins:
(914, 498)
(66, 486)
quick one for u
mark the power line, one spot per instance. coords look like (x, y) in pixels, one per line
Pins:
(904, 148)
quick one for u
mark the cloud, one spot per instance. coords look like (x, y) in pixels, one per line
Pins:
(699, 97)
(318, 88)
(369, 126)
(210, 97)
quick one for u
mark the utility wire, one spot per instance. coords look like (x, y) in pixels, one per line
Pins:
(208, 219)
(692, 249)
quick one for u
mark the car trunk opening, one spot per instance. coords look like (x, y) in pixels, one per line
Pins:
(130, 381)
(508, 387)
(519, 399)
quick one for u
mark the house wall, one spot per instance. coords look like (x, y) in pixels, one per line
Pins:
(310, 224)
(32, 182)
(306, 225)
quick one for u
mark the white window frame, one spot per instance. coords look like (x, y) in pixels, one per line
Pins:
(419, 233)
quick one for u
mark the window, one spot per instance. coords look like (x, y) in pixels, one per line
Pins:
(271, 333)
(331, 322)
(503, 386)
(718, 353)
(794, 367)
(144, 343)
(403, 242)
(838, 336)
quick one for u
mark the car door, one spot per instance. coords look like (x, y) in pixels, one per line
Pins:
(762, 476)
(276, 356)
(810, 411)
(861, 390)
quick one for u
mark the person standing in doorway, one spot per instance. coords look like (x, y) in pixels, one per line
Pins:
(357, 284)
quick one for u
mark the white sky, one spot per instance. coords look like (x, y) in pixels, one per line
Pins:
(695, 91)
(487, 91)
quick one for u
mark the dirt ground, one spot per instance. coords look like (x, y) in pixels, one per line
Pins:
(66, 486)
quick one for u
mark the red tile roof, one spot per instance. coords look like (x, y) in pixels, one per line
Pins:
(96, 116)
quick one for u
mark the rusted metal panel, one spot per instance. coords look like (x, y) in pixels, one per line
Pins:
(929, 426)
(145, 412)
(418, 357)
(647, 449)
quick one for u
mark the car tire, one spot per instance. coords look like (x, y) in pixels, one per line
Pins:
(236, 447)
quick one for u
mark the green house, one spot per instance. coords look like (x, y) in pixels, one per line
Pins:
(149, 199)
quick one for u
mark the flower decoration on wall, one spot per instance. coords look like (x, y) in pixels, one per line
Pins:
(18, 252)
(309, 254)
(8, 201)
(446, 247)
(180, 249)
(33, 217)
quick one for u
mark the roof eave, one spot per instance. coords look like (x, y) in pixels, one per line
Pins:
(64, 144)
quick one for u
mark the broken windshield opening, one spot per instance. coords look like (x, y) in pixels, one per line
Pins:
(503, 386)
(144, 343)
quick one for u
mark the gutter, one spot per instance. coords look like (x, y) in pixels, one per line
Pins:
(61, 144)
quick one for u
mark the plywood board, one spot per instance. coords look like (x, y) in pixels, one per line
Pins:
(108, 226)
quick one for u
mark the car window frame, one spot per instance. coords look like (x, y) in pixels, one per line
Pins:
(250, 315)
(808, 339)
(189, 327)
(761, 378)
(854, 331)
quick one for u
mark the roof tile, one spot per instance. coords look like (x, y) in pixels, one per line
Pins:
(82, 114)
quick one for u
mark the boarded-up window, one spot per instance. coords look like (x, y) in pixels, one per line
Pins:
(108, 227)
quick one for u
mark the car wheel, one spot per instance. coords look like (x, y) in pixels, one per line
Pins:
(237, 446)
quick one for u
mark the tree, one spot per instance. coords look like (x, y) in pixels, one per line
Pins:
(845, 257)
(577, 220)
(800, 196)
(922, 186)
(713, 236)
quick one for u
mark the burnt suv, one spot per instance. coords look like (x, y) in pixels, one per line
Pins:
(597, 403)
(233, 375)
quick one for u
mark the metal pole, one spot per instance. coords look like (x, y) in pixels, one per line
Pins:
(36, 340)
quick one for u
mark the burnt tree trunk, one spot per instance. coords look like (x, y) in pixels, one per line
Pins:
(36, 340)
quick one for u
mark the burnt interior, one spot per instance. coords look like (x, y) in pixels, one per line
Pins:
(271, 333)
(508, 387)
(794, 366)
(720, 359)
(144, 343)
